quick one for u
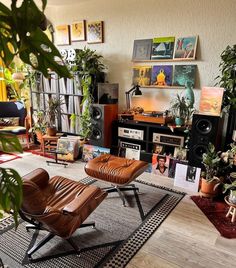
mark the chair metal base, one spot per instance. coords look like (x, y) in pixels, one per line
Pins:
(49, 236)
(120, 189)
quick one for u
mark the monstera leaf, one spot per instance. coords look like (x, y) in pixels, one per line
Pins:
(21, 33)
(10, 191)
(10, 180)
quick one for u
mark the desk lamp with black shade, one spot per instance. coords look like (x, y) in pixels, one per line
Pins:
(135, 92)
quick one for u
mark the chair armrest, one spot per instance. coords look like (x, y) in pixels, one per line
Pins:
(76, 205)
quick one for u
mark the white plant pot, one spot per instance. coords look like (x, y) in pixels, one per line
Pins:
(232, 197)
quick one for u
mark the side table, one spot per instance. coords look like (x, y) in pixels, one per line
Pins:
(50, 142)
(232, 209)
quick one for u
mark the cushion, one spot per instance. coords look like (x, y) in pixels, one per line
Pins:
(13, 129)
(9, 121)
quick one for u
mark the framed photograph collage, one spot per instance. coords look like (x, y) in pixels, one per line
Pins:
(92, 32)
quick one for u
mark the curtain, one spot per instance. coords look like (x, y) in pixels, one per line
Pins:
(3, 91)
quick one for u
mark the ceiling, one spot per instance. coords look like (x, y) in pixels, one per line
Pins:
(51, 2)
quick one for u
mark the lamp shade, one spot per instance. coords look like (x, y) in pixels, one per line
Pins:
(137, 92)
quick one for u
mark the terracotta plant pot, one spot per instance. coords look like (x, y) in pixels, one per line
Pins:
(207, 188)
(51, 131)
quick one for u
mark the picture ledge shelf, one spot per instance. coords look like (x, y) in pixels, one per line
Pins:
(165, 60)
(153, 86)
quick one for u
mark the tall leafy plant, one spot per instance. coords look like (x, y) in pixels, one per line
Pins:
(227, 77)
(85, 118)
(21, 33)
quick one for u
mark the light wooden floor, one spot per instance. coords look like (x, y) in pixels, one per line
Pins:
(185, 239)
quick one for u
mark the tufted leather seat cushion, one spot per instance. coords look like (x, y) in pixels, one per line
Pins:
(13, 129)
(116, 170)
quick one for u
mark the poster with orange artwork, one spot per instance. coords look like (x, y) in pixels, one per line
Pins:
(211, 100)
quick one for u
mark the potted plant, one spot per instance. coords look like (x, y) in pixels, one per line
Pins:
(54, 109)
(181, 110)
(39, 126)
(231, 186)
(209, 179)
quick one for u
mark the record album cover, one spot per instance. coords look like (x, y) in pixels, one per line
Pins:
(184, 74)
(162, 48)
(142, 75)
(162, 75)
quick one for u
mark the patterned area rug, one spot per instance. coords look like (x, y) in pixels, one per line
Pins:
(6, 157)
(120, 232)
(216, 211)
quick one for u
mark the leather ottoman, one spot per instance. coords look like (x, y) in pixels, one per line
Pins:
(117, 171)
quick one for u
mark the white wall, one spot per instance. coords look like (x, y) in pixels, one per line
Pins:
(213, 21)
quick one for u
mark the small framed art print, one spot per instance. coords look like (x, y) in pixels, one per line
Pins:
(63, 35)
(77, 31)
(95, 32)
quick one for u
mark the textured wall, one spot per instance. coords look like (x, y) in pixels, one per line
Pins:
(126, 20)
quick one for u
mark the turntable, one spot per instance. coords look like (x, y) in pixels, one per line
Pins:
(152, 113)
(153, 117)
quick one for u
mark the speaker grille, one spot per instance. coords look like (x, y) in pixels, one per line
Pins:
(96, 133)
(203, 126)
(96, 113)
(205, 129)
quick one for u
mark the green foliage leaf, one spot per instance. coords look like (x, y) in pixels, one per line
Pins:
(20, 33)
(10, 191)
(10, 142)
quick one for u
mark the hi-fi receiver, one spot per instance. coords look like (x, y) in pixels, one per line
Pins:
(136, 134)
(168, 139)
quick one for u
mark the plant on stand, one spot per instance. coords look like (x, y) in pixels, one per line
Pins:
(218, 166)
(54, 109)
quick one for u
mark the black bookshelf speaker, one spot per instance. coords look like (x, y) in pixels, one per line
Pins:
(205, 129)
(102, 117)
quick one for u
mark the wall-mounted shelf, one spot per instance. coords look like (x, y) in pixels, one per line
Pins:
(154, 86)
(165, 60)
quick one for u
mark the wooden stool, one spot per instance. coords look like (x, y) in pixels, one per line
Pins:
(50, 142)
(232, 209)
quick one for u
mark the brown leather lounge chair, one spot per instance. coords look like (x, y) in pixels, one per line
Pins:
(58, 205)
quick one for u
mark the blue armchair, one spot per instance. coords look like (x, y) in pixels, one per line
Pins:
(17, 111)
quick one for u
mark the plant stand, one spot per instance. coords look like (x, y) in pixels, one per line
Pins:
(232, 209)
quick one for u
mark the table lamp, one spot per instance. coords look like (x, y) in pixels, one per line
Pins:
(136, 92)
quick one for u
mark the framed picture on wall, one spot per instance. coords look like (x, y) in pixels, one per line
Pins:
(142, 49)
(63, 35)
(185, 47)
(95, 32)
(77, 31)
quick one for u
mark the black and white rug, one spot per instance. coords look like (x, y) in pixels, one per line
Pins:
(120, 232)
